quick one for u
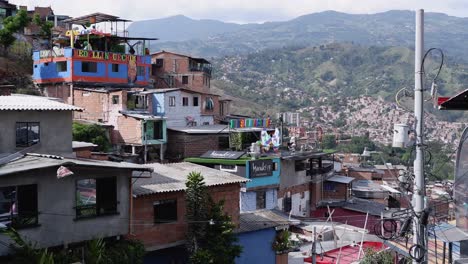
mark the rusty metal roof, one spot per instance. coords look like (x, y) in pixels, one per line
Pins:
(172, 177)
(17, 102)
(97, 17)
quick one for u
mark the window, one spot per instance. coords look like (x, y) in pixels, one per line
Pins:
(209, 104)
(165, 211)
(170, 81)
(87, 66)
(223, 142)
(61, 66)
(261, 199)
(184, 101)
(115, 67)
(153, 130)
(185, 79)
(171, 100)
(275, 166)
(329, 186)
(230, 168)
(195, 101)
(159, 62)
(115, 99)
(95, 197)
(140, 71)
(27, 134)
(18, 205)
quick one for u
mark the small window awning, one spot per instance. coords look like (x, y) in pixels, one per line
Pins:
(341, 179)
(390, 189)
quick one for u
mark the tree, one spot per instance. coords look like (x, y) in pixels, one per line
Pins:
(328, 142)
(210, 236)
(197, 211)
(91, 133)
(12, 25)
(220, 236)
(45, 26)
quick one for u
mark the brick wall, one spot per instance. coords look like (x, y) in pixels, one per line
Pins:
(339, 192)
(128, 131)
(183, 145)
(178, 66)
(156, 236)
(93, 103)
(365, 175)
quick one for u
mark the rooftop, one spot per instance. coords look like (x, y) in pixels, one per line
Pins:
(359, 205)
(97, 17)
(33, 161)
(173, 176)
(341, 179)
(263, 219)
(16, 102)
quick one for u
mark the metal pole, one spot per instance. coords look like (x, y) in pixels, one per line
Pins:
(419, 185)
(314, 252)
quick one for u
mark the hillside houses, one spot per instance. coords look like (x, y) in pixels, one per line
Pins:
(164, 122)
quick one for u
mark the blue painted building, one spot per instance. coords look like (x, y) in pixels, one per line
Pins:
(257, 246)
(257, 232)
(262, 190)
(69, 65)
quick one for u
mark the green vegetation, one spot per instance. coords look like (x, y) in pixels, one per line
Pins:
(91, 133)
(210, 237)
(45, 26)
(96, 251)
(373, 257)
(287, 78)
(12, 25)
(282, 242)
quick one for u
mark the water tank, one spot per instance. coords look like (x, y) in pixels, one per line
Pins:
(400, 135)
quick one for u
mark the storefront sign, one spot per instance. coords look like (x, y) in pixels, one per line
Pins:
(261, 168)
(216, 154)
(101, 55)
(53, 53)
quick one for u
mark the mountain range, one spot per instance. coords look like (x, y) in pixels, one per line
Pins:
(212, 38)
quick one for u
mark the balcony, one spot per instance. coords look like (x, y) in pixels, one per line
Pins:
(204, 69)
(326, 168)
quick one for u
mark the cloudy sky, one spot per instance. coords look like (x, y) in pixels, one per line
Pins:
(242, 11)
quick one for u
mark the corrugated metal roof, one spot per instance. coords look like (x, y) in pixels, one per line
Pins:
(341, 179)
(29, 102)
(38, 161)
(172, 177)
(143, 116)
(263, 219)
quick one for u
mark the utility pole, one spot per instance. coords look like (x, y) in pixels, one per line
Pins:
(314, 247)
(419, 188)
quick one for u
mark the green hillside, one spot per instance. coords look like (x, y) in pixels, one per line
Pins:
(288, 78)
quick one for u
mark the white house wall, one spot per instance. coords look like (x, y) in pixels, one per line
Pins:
(176, 115)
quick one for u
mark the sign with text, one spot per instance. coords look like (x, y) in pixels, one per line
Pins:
(217, 154)
(101, 55)
(261, 168)
(53, 53)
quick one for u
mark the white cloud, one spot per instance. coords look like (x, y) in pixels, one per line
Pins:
(240, 10)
